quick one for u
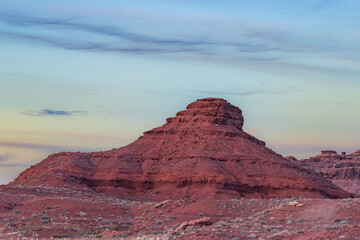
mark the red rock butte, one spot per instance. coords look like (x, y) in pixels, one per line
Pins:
(202, 152)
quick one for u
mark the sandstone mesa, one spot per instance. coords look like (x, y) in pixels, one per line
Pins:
(202, 151)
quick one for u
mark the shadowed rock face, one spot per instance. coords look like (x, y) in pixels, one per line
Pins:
(202, 152)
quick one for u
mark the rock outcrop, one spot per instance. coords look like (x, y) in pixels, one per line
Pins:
(198, 222)
(331, 155)
(341, 169)
(354, 156)
(201, 152)
(292, 158)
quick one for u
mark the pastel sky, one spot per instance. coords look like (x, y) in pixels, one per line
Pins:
(93, 75)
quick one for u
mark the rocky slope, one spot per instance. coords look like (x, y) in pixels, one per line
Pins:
(342, 169)
(202, 152)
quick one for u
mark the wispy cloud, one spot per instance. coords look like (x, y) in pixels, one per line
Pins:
(4, 158)
(245, 45)
(104, 38)
(62, 134)
(251, 130)
(50, 112)
(245, 93)
(154, 43)
(4, 161)
(42, 147)
(85, 45)
(47, 148)
(22, 164)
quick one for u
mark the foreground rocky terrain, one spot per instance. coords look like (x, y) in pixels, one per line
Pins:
(45, 212)
(199, 176)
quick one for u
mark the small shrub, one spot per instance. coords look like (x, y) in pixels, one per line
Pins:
(82, 214)
(114, 228)
(65, 235)
(301, 220)
(16, 211)
(95, 232)
(266, 211)
(222, 224)
(331, 228)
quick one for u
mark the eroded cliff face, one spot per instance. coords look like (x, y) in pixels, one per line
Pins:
(342, 169)
(202, 152)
